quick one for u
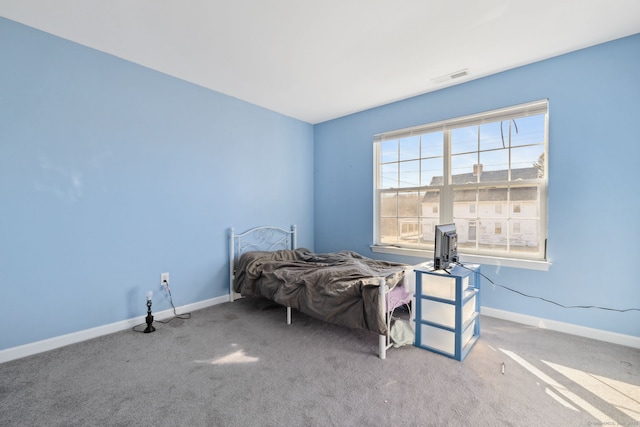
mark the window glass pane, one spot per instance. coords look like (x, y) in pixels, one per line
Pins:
(431, 171)
(431, 204)
(491, 236)
(465, 213)
(432, 144)
(467, 230)
(389, 175)
(490, 137)
(409, 204)
(524, 237)
(525, 201)
(528, 158)
(389, 204)
(530, 130)
(462, 168)
(464, 140)
(410, 148)
(409, 230)
(410, 174)
(464, 203)
(492, 202)
(495, 165)
(389, 151)
(428, 232)
(389, 230)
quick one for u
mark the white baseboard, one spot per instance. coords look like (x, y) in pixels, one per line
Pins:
(568, 328)
(87, 334)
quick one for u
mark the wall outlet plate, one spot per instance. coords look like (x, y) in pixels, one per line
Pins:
(164, 280)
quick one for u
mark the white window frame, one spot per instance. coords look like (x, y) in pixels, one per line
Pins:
(540, 261)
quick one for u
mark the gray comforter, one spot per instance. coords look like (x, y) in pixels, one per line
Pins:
(339, 287)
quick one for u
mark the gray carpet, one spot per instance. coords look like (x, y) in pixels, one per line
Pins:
(239, 364)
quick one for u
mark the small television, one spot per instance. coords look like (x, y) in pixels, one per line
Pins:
(445, 250)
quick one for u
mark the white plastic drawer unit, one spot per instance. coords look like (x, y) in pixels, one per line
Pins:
(442, 286)
(448, 310)
(445, 314)
(444, 340)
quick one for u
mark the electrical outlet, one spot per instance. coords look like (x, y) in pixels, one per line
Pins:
(164, 280)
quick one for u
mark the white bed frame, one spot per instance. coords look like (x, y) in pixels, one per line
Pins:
(269, 238)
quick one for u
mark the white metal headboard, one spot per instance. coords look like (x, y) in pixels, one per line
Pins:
(264, 238)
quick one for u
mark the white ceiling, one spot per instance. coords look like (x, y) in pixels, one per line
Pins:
(316, 60)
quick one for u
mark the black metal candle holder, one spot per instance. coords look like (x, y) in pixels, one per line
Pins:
(149, 319)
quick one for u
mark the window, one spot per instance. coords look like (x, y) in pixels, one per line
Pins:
(498, 228)
(482, 172)
(472, 230)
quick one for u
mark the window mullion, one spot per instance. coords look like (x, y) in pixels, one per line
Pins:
(446, 197)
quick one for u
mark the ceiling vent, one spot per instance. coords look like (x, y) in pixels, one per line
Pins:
(451, 76)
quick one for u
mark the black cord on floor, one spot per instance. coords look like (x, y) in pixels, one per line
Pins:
(548, 300)
(175, 315)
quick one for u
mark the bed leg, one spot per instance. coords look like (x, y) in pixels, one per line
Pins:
(288, 315)
(382, 343)
(382, 298)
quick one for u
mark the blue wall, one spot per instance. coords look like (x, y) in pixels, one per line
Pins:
(111, 173)
(594, 239)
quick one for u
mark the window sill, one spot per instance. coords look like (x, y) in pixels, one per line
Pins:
(475, 259)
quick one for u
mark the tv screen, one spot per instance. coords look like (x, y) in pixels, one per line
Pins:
(445, 250)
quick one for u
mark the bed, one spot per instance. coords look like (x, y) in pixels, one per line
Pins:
(343, 288)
